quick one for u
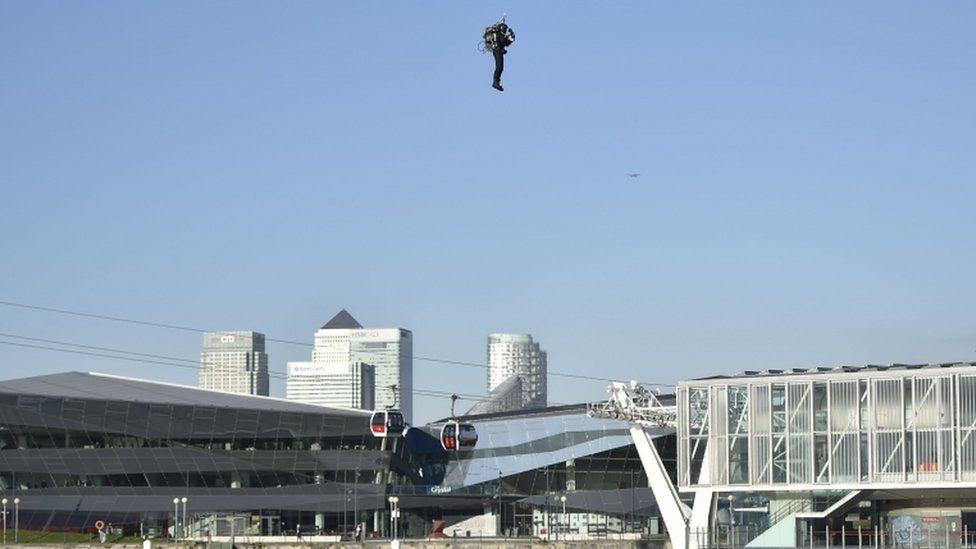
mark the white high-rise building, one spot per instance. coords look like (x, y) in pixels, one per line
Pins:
(343, 341)
(349, 385)
(517, 355)
(234, 362)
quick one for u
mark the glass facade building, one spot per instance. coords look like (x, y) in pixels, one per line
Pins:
(527, 461)
(867, 456)
(345, 385)
(848, 428)
(76, 448)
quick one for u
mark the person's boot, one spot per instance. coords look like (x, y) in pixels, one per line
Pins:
(498, 87)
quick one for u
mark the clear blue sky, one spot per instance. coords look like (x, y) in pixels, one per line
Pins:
(807, 196)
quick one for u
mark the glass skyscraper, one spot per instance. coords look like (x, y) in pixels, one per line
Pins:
(349, 385)
(343, 341)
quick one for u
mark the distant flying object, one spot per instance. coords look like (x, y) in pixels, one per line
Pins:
(633, 175)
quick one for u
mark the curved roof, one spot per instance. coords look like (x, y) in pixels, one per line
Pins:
(109, 387)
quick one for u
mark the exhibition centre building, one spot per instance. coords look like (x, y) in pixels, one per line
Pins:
(849, 456)
(79, 448)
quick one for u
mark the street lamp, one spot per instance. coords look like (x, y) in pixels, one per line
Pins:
(563, 500)
(394, 513)
(731, 521)
(501, 509)
(186, 523)
(345, 510)
(176, 518)
(16, 520)
(355, 503)
(548, 518)
(4, 501)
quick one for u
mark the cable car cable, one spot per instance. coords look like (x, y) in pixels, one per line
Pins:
(283, 341)
(193, 365)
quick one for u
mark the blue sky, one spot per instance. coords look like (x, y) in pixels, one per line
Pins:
(806, 196)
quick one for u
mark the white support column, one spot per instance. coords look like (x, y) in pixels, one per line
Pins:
(702, 508)
(673, 512)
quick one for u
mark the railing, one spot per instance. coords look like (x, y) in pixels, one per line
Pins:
(824, 500)
(875, 537)
(734, 537)
(795, 506)
(819, 502)
(723, 536)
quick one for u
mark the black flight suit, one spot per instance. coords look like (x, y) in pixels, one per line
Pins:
(502, 41)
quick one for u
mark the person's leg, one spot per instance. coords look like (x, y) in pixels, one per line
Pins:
(499, 67)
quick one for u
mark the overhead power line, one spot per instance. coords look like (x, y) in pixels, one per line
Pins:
(152, 324)
(172, 362)
(134, 321)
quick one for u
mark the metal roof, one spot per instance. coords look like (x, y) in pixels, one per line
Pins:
(96, 386)
(557, 410)
(835, 370)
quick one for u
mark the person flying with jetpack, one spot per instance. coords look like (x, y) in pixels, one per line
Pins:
(498, 37)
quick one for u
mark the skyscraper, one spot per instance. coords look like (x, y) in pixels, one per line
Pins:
(343, 341)
(234, 362)
(349, 385)
(517, 355)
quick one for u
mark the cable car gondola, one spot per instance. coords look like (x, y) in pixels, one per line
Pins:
(387, 423)
(456, 435)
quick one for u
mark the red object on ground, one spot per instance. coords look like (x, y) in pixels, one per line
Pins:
(437, 529)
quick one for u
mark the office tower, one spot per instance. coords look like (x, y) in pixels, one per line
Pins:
(343, 341)
(234, 362)
(349, 385)
(517, 355)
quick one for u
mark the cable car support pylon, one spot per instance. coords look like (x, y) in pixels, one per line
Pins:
(641, 408)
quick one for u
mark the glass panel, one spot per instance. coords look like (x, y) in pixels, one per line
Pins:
(800, 459)
(821, 450)
(888, 457)
(887, 404)
(778, 402)
(820, 412)
(761, 471)
(739, 460)
(799, 408)
(779, 458)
